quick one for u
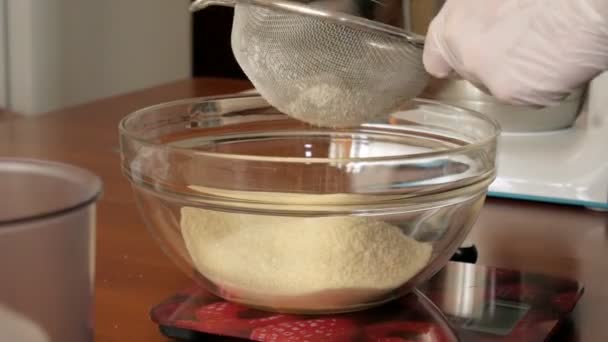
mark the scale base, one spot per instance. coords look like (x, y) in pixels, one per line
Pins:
(463, 302)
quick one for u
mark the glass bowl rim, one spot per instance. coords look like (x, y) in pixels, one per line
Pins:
(126, 132)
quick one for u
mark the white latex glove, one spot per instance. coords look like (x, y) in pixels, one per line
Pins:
(529, 52)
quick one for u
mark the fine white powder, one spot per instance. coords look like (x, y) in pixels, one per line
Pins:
(301, 263)
(330, 106)
(298, 67)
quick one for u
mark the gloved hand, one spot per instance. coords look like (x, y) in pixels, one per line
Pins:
(528, 52)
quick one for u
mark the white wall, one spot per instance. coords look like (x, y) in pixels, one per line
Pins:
(65, 52)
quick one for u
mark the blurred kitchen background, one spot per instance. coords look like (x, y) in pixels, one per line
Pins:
(60, 53)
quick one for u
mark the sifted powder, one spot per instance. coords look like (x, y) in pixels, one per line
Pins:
(297, 65)
(330, 106)
(301, 263)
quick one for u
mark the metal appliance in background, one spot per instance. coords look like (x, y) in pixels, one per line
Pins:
(566, 165)
(554, 154)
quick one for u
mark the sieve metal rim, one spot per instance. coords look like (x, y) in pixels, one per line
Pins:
(302, 9)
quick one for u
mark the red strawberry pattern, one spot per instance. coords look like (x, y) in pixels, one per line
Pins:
(407, 319)
(220, 317)
(405, 331)
(314, 330)
(564, 302)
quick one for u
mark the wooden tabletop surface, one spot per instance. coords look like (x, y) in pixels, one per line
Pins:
(133, 274)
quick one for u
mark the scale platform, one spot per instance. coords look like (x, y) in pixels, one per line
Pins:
(463, 302)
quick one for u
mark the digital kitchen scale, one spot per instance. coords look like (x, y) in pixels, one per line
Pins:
(463, 302)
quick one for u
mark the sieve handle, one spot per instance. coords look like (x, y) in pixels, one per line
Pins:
(202, 4)
(453, 76)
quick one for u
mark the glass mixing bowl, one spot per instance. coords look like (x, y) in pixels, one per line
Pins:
(273, 213)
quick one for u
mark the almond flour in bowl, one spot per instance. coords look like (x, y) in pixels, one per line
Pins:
(294, 263)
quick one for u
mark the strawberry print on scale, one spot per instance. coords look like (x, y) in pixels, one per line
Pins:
(418, 316)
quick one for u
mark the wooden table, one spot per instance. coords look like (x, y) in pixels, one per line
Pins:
(133, 274)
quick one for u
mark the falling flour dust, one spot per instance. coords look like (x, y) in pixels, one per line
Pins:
(301, 263)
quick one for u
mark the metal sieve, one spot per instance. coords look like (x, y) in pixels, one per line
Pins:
(324, 67)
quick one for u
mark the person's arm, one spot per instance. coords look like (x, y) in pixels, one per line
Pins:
(531, 52)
